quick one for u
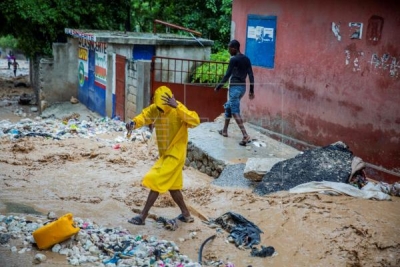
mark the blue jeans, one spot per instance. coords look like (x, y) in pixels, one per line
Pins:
(236, 92)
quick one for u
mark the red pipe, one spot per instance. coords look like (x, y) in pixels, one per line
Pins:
(173, 26)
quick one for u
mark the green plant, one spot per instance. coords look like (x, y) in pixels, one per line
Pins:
(210, 73)
(8, 41)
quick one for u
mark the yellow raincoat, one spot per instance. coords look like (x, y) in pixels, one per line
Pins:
(172, 137)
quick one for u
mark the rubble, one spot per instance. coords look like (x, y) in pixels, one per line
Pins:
(256, 168)
(103, 246)
(68, 128)
(330, 163)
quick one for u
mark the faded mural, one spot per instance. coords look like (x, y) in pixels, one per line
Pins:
(385, 63)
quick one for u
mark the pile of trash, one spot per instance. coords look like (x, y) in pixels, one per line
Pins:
(68, 127)
(94, 244)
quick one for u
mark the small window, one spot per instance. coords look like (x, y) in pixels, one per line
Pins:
(260, 40)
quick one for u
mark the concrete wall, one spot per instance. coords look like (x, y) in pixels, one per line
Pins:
(131, 90)
(137, 87)
(190, 52)
(324, 88)
(143, 85)
(58, 75)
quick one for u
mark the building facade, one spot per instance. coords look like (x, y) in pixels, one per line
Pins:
(326, 71)
(109, 72)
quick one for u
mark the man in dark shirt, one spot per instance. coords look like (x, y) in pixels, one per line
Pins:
(239, 68)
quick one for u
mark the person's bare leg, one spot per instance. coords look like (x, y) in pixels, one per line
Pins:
(178, 198)
(151, 198)
(239, 122)
(226, 125)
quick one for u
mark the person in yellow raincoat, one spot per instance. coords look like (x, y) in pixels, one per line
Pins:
(171, 120)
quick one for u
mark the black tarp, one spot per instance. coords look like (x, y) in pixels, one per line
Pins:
(244, 233)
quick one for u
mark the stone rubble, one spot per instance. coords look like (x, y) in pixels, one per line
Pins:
(97, 245)
(256, 168)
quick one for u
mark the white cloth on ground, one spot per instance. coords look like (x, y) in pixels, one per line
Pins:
(367, 192)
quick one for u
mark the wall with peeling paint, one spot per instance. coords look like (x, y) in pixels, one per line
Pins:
(336, 74)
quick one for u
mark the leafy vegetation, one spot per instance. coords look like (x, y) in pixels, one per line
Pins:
(37, 24)
(211, 73)
(210, 17)
(8, 41)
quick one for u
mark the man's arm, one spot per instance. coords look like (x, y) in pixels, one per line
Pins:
(251, 79)
(228, 74)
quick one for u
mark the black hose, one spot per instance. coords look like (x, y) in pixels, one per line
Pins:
(202, 246)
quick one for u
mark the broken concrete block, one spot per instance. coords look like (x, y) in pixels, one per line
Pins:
(256, 168)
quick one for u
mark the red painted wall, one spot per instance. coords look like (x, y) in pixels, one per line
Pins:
(323, 90)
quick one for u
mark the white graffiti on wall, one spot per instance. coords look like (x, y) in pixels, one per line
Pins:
(355, 61)
(356, 30)
(336, 30)
(386, 63)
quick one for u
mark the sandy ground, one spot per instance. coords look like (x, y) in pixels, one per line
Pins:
(90, 179)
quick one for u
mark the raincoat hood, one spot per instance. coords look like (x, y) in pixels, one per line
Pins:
(158, 101)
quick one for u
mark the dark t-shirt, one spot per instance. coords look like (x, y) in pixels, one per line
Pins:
(238, 69)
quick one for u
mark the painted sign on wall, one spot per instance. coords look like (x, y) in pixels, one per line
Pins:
(80, 34)
(92, 73)
(82, 65)
(101, 65)
(83, 71)
(260, 40)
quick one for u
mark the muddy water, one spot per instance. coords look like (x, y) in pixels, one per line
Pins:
(92, 180)
(12, 207)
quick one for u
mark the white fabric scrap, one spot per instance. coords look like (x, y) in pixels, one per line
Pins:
(369, 192)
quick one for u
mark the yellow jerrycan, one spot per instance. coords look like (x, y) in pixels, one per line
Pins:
(55, 232)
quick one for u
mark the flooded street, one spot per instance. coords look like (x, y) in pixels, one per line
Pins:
(98, 177)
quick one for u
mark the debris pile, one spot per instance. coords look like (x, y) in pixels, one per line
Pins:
(68, 127)
(330, 163)
(95, 244)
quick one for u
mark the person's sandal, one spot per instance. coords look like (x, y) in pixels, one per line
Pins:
(136, 221)
(222, 133)
(184, 219)
(245, 141)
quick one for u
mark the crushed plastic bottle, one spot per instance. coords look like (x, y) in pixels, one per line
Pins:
(14, 131)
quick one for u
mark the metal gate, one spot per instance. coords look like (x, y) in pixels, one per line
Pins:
(192, 83)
